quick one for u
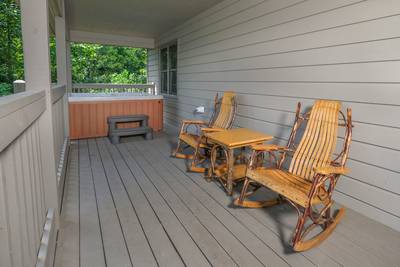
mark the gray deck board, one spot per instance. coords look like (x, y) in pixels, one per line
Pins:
(134, 205)
(91, 241)
(163, 249)
(184, 244)
(338, 249)
(137, 244)
(250, 241)
(115, 249)
(67, 253)
(215, 254)
(198, 184)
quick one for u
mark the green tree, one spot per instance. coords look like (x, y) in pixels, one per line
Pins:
(91, 63)
(11, 53)
(53, 59)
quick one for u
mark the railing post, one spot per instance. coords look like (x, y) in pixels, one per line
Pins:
(35, 33)
(154, 88)
(19, 86)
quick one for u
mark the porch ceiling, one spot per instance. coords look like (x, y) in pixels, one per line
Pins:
(136, 18)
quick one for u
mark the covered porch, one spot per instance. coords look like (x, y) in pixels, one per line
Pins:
(133, 205)
(70, 200)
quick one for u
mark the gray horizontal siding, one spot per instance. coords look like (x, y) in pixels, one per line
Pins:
(152, 66)
(275, 53)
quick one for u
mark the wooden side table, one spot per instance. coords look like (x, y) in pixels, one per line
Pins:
(230, 140)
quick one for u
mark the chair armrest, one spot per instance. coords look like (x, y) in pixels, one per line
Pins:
(211, 130)
(269, 148)
(327, 170)
(194, 122)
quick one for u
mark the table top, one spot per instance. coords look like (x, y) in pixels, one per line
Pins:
(238, 137)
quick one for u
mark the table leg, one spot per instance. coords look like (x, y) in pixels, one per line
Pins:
(229, 178)
(213, 157)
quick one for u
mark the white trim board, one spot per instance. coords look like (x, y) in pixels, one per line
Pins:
(110, 39)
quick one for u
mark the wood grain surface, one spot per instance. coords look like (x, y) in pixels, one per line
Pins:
(89, 119)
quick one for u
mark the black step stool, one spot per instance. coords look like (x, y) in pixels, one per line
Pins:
(115, 133)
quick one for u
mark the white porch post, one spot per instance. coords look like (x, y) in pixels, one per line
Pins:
(62, 63)
(35, 34)
(69, 71)
(61, 50)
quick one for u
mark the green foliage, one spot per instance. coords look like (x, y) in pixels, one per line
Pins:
(11, 54)
(90, 63)
(53, 59)
(5, 89)
(93, 63)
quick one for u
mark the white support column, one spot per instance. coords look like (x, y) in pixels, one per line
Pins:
(61, 51)
(68, 45)
(62, 64)
(35, 34)
(69, 71)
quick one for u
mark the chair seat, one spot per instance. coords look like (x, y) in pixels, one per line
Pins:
(286, 184)
(190, 139)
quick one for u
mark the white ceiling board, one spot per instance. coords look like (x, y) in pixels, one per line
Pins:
(139, 18)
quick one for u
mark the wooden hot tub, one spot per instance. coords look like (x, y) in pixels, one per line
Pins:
(88, 112)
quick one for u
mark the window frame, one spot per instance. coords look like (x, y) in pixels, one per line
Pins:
(169, 69)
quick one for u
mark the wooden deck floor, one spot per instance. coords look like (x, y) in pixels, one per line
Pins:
(133, 205)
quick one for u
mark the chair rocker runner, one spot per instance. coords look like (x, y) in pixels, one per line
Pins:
(310, 180)
(221, 119)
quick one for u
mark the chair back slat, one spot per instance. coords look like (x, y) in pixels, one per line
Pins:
(226, 111)
(319, 139)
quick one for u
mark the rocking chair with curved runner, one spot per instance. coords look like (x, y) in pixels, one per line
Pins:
(311, 178)
(221, 119)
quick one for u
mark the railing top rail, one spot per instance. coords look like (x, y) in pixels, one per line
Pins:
(110, 85)
(56, 86)
(57, 92)
(17, 112)
(14, 102)
(112, 88)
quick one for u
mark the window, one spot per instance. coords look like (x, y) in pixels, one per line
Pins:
(168, 68)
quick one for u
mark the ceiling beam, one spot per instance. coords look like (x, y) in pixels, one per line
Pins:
(110, 39)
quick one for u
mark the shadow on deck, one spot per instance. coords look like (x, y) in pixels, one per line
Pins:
(134, 205)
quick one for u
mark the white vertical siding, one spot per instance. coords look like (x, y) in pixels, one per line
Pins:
(274, 53)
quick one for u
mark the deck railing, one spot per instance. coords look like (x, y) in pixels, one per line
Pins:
(113, 88)
(59, 101)
(27, 225)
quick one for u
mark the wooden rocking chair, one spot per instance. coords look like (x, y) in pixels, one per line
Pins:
(221, 119)
(311, 178)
